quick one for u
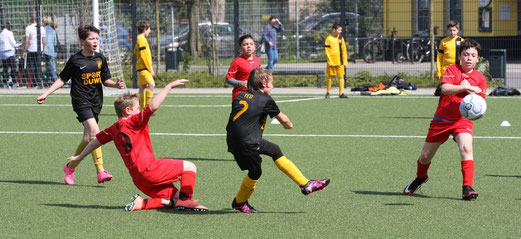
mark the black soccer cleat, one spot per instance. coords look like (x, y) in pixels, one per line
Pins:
(469, 193)
(314, 185)
(414, 185)
(327, 95)
(244, 207)
(343, 96)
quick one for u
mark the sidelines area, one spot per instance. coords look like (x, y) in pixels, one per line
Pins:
(268, 135)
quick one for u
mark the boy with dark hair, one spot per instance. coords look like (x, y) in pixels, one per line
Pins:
(145, 72)
(336, 54)
(152, 176)
(448, 51)
(240, 68)
(244, 138)
(458, 81)
(87, 70)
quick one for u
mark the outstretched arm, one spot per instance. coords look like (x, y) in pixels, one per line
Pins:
(284, 120)
(120, 84)
(94, 144)
(56, 85)
(159, 98)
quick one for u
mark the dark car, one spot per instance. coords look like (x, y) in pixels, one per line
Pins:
(313, 29)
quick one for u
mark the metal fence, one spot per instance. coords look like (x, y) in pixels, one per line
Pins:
(384, 36)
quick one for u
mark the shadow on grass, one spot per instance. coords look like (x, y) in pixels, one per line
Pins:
(68, 205)
(218, 212)
(503, 176)
(398, 204)
(39, 182)
(202, 159)
(405, 117)
(400, 194)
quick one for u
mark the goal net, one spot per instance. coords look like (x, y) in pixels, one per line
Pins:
(64, 17)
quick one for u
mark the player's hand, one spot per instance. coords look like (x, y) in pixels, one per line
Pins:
(474, 89)
(465, 83)
(120, 84)
(152, 73)
(41, 99)
(23, 55)
(178, 83)
(73, 159)
(271, 43)
(244, 84)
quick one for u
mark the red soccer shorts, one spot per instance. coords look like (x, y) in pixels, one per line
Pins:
(439, 131)
(158, 181)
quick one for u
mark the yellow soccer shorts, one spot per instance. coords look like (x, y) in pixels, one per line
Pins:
(144, 77)
(335, 70)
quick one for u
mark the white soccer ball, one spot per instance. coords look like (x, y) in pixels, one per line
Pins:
(473, 107)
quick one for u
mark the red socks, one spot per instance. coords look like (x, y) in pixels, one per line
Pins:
(421, 171)
(187, 185)
(151, 203)
(467, 169)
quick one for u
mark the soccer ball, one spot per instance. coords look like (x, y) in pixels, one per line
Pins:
(473, 107)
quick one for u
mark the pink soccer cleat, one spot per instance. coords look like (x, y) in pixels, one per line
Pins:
(190, 205)
(104, 176)
(314, 185)
(69, 174)
(244, 207)
(136, 203)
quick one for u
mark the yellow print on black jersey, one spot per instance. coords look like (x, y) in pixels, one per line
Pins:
(99, 64)
(91, 78)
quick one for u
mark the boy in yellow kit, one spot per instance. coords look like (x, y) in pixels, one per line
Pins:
(144, 65)
(336, 54)
(447, 51)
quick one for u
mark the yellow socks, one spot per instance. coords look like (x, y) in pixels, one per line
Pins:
(97, 156)
(341, 83)
(329, 83)
(247, 188)
(80, 148)
(288, 168)
(148, 97)
(142, 100)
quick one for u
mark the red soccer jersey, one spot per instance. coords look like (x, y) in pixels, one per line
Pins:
(133, 143)
(240, 70)
(448, 105)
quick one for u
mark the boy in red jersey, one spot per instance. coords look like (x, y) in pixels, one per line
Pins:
(241, 67)
(152, 176)
(457, 82)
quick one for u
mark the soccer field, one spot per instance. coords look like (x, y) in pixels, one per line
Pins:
(367, 146)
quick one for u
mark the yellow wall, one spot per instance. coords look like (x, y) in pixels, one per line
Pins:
(398, 14)
(499, 27)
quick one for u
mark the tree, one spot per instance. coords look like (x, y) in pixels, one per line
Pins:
(194, 39)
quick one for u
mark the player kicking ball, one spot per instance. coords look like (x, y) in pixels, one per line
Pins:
(152, 176)
(244, 137)
(457, 82)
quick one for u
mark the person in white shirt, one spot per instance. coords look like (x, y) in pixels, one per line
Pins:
(7, 55)
(32, 51)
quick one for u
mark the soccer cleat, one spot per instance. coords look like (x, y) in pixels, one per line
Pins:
(469, 193)
(244, 207)
(69, 174)
(343, 95)
(327, 95)
(414, 185)
(314, 185)
(104, 176)
(189, 204)
(136, 203)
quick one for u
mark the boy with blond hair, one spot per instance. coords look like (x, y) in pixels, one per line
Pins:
(152, 176)
(244, 137)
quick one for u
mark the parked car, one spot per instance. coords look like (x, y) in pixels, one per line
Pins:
(313, 28)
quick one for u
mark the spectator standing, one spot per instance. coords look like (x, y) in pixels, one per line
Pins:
(31, 50)
(7, 55)
(49, 52)
(269, 35)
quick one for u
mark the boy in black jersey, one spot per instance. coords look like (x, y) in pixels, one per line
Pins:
(244, 137)
(88, 70)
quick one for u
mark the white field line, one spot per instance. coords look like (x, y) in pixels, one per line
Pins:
(166, 106)
(268, 135)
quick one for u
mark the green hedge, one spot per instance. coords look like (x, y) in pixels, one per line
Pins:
(204, 80)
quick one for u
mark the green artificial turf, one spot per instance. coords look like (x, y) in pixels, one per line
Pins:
(341, 139)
